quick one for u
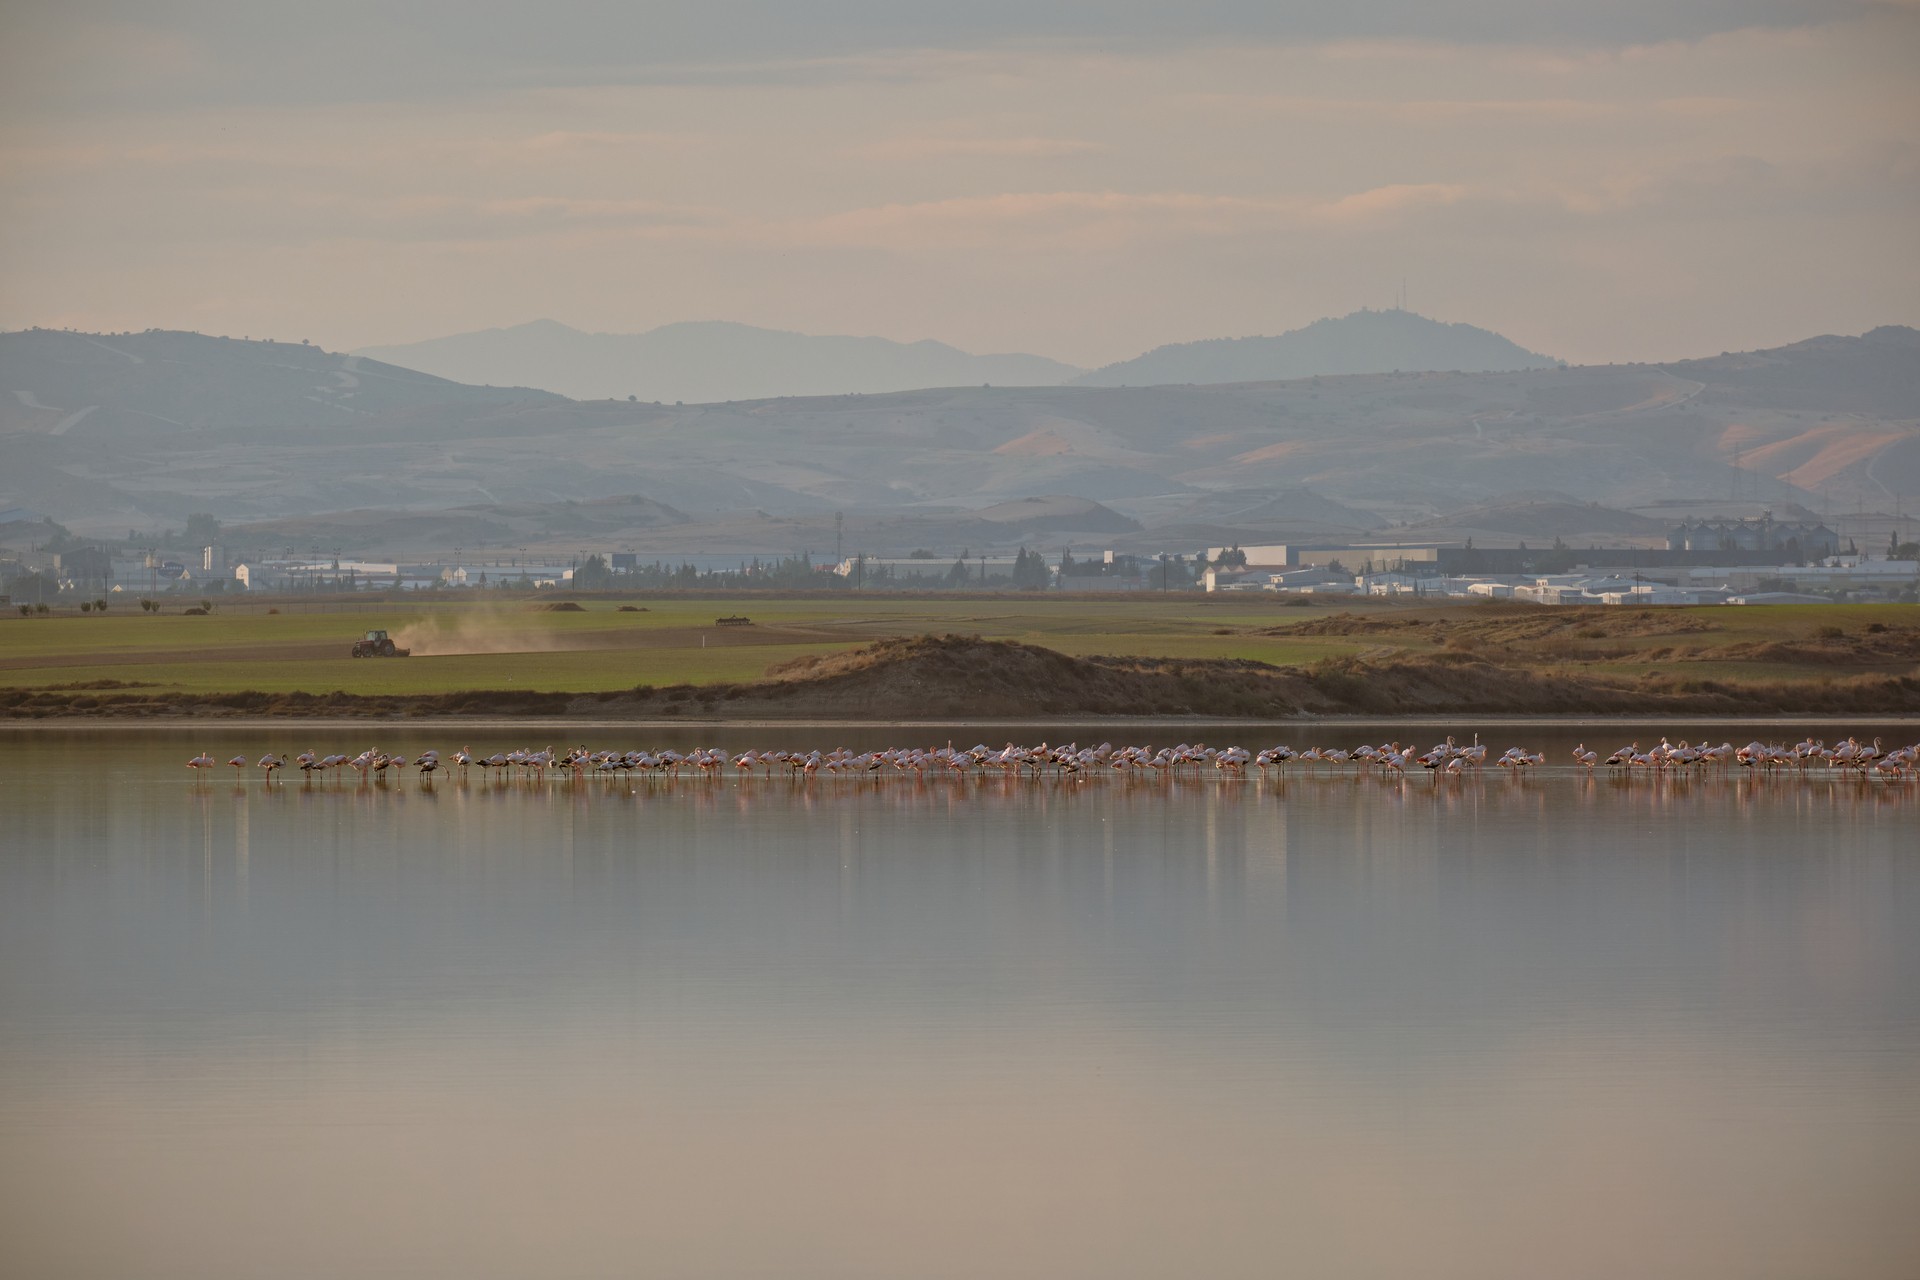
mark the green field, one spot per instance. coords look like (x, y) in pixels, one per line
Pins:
(673, 642)
(304, 648)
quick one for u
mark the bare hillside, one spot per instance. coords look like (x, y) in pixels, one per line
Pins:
(108, 432)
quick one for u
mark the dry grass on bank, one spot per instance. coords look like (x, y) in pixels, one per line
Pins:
(966, 677)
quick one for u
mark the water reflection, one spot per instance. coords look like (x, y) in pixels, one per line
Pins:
(1494, 1025)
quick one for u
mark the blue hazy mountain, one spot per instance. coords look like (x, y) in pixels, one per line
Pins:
(1364, 342)
(707, 361)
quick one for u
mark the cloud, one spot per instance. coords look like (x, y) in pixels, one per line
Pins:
(1388, 201)
(1004, 179)
(937, 148)
(232, 51)
(1076, 220)
(1100, 221)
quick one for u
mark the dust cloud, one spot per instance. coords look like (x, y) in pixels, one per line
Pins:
(486, 630)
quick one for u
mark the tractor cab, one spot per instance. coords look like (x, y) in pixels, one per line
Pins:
(377, 644)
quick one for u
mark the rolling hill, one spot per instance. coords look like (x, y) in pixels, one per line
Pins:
(108, 432)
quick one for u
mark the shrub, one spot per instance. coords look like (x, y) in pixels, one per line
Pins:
(1828, 633)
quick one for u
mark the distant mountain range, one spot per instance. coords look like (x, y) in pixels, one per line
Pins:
(1364, 342)
(704, 362)
(712, 361)
(109, 432)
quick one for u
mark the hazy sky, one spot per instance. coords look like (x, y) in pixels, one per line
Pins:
(1599, 181)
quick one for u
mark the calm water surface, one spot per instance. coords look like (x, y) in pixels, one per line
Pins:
(1496, 1027)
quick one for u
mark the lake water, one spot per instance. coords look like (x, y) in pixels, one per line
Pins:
(1319, 1026)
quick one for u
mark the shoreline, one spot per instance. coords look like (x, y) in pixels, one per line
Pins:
(110, 723)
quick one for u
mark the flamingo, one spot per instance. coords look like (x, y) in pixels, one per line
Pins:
(1667, 758)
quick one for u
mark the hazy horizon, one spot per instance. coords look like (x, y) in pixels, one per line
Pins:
(1644, 183)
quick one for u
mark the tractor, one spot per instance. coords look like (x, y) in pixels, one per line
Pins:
(377, 644)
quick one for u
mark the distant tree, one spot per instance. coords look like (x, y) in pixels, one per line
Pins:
(1907, 551)
(202, 528)
(26, 611)
(593, 574)
(86, 606)
(59, 537)
(1030, 571)
(959, 575)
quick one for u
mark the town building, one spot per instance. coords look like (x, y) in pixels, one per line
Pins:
(1798, 539)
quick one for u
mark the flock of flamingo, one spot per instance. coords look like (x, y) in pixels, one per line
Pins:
(1446, 759)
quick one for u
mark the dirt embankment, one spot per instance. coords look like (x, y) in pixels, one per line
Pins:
(1529, 638)
(1497, 624)
(954, 677)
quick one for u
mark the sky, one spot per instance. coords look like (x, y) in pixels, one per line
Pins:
(1074, 178)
